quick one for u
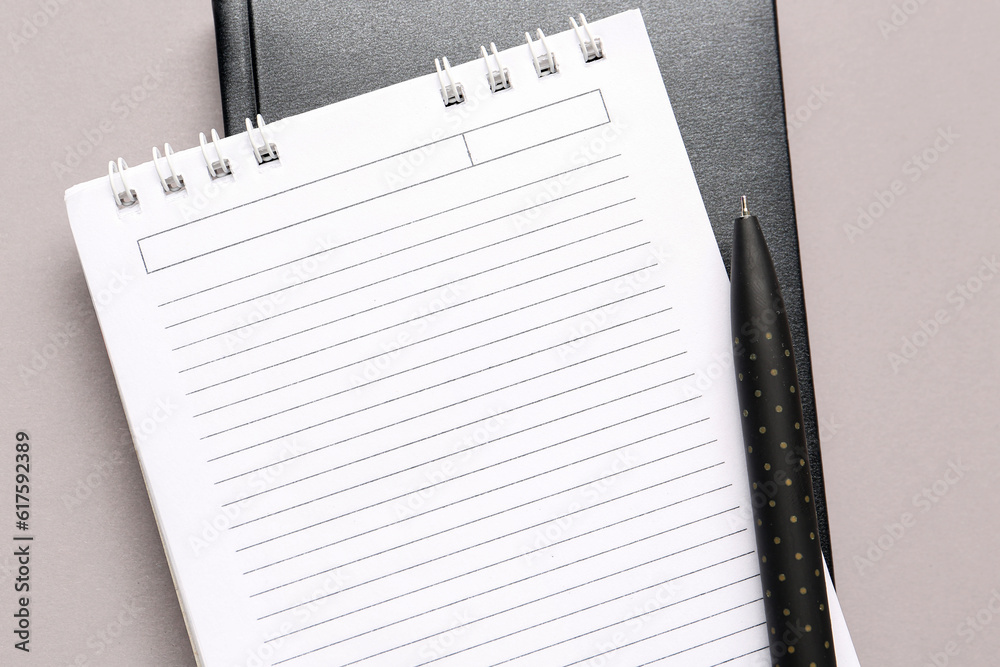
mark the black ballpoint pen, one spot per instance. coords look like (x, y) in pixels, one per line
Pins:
(791, 567)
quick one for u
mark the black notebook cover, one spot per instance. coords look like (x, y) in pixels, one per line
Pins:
(720, 65)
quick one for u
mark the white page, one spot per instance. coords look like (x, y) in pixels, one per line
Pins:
(441, 386)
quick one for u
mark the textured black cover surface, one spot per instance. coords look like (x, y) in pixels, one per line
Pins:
(719, 60)
(236, 63)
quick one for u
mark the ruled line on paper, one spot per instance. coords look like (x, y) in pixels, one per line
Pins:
(477, 495)
(443, 457)
(423, 463)
(450, 356)
(582, 609)
(439, 384)
(571, 613)
(400, 226)
(533, 576)
(500, 562)
(488, 541)
(677, 627)
(430, 289)
(453, 428)
(549, 620)
(398, 324)
(399, 546)
(427, 512)
(691, 648)
(728, 660)
(429, 387)
(385, 255)
(468, 301)
(546, 423)
(442, 383)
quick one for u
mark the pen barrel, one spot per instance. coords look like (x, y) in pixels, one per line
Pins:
(792, 578)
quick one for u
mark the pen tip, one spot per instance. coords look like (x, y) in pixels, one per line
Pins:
(743, 206)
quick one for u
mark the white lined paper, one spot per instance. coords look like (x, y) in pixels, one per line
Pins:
(446, 400)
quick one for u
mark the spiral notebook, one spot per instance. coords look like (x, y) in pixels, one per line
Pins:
(443, 368)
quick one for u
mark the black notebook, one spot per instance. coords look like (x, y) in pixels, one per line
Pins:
(719, 61)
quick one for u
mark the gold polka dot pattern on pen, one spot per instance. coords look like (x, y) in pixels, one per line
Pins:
(784, 571)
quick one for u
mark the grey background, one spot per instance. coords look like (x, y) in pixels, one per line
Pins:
(84, 83)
